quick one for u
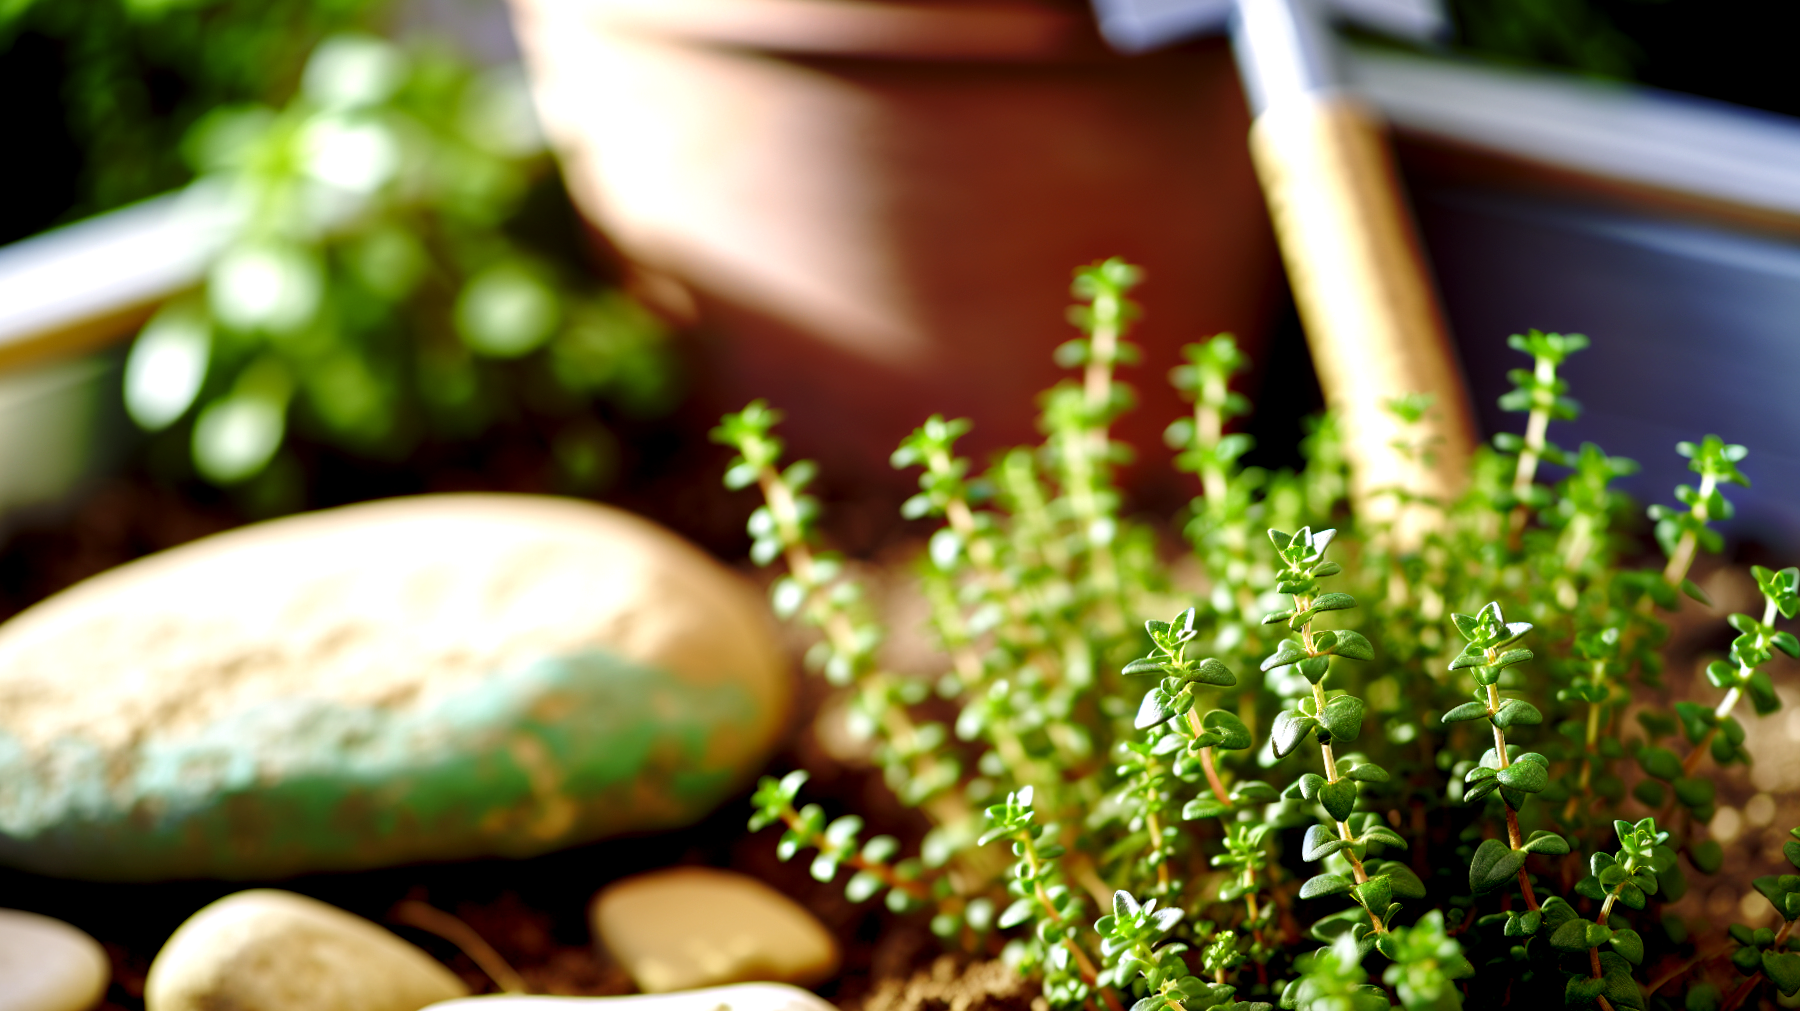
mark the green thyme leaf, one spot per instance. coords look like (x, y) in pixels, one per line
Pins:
(1493, 865)
(1322, 885)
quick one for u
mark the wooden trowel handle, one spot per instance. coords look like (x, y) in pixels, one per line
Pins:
(1368, 306)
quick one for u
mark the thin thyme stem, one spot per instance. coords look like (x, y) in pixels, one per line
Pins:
(1212, 776)
(1331, 776)
(1086, 460)
(1153, 825)
(856, 861)
(1515, 839)
(1209, 428)
(1513, 836)
(1587, 764)
(1250, 894)
(1532, 450)
(1083, 963)
(1594, 951)
(838, 628)
(1683, 556)
(1206, 759)
(1725, 706)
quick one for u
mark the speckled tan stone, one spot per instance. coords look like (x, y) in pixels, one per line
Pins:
(428, 678)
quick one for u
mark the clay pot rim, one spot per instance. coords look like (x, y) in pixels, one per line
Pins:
(957, 30)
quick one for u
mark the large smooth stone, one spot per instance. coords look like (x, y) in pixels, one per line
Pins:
(415, 679)
(742, 997)
(268, 950)
(47, 965)
(690, 927)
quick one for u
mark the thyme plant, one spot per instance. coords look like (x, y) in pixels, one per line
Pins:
(1128, 815)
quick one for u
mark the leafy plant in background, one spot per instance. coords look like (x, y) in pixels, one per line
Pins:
(376, 288)
(1576, 34)
(136, 74)
(1128, 815)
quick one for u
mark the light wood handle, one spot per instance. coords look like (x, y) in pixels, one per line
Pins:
(1366, 301)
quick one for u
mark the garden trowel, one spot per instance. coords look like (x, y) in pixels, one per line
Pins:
(1353, 258)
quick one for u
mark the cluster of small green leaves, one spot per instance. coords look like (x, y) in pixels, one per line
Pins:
(1630, 877)
(1336, 720)
(1772, 953)
(1505, 770)
(816, 584)
(818, 588)
(1238, 502)
(1604, 615)
(1681, 533)
(1029, 579)
(1042, 900)
(376, 291)
(1138, 962)
(1427, 961)
(1595, 683)
(1540, 393)
(1754, 647)
(1158, 803)
(1180, 735)
(874, 869)
(1220, 525)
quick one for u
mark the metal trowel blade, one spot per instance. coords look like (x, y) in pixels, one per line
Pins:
(1135, 26)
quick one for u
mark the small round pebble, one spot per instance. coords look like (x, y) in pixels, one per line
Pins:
(47, 965)
(269, 950)
(691, 927)
(742, 997)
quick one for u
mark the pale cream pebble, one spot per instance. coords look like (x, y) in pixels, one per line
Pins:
(740, 997)
(691, 927)
(47, 965)
(269, 950)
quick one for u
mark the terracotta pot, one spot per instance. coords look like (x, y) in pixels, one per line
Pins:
(873, 208)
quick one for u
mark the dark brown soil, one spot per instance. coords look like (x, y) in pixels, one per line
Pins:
(953, 984)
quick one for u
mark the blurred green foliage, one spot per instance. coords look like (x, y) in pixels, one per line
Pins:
(138, 73)
(390, 281)
(377, 291)
(1573, 34)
